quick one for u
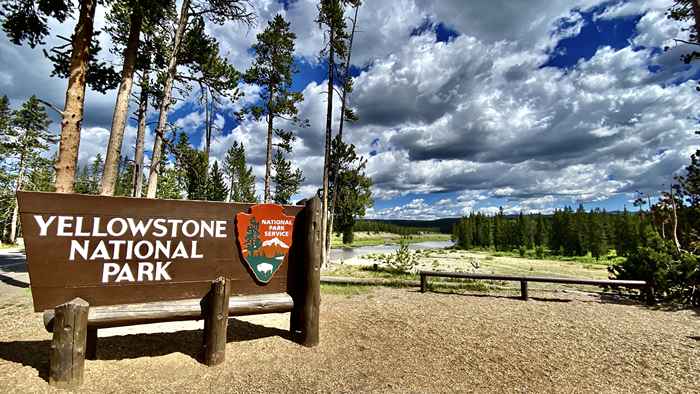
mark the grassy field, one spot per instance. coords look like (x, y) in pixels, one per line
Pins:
(363, 238)
(370, 266)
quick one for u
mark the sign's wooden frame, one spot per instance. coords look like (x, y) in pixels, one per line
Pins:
(76, 305)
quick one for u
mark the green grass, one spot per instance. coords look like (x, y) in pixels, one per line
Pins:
(372, 239)
(8, 246)
(344, 290)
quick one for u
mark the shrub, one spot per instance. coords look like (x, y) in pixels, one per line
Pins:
(539, 252)
(672, 276)
(522, 251)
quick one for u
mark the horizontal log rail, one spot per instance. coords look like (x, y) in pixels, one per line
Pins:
(158, 312)
(525, 279)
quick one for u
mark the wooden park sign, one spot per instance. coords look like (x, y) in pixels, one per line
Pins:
(122, 261)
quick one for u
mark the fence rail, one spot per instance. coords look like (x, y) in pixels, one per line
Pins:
(525, 279)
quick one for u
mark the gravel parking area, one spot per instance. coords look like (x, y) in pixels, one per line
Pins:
(392, 340)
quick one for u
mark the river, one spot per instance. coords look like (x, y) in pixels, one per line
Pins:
(348, 253)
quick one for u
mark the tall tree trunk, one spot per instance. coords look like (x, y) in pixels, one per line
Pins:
(327, 150)
(207, 126)
(696, 17)
(343, 101)
(121, 108)
(137, 181)
(268, 157)
(675, 222)
(165, 103)
(15, 211)
(72, 115)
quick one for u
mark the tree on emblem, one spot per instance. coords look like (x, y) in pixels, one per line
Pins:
(252, 237)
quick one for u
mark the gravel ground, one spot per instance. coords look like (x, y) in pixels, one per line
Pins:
(393, 340)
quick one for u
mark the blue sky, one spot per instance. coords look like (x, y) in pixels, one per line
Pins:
(463, 106)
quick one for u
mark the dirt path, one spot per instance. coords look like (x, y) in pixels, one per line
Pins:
(392, 340)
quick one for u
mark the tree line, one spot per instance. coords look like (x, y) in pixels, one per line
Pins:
(166, 52)
(567, 232)
(377, 226)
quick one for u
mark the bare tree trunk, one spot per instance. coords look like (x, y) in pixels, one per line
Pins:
(343, 101)
(72, 115)
(696, 15)
(327, 151)
(207, 126)
(165, 103)
(121, 108)
(268, 158)
(675, 221)
(137, 181)
(15, 211)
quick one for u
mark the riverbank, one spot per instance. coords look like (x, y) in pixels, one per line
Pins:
(363, 238)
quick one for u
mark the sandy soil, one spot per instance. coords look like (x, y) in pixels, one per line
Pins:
(392, 340)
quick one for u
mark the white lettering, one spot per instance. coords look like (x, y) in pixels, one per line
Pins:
(125, 274)
(109, 269)
(82, 250)
(100, 252)
(220, 229)
(79, 228)
(64, 226)
(110, 227)
(193, 231)
(161, 273)
(194, 253)
(96, 228)
(43, 225)
(139, 253)
(161, 230)
(139, 228)
(145, 269)
(180, 251)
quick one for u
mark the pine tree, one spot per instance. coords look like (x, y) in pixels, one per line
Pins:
(126, 20)
(285, 180)
(28, 21)
(217, 190)
(216, 12)
(242, 180)
(252, 237)
(353, 188)
(194, 169)
(24, 139)
(273, 70)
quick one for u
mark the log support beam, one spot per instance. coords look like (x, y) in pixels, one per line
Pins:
(215, 313)
(306, 292)
(68, 346)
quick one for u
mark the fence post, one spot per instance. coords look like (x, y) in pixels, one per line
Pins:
(91, 344)
(423, 283)
(523, 290)
(215, 312)
(304, 322)
(68, 344)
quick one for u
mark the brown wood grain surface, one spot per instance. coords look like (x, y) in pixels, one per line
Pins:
(55, 279)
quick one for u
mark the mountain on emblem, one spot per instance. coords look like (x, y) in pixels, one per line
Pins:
(264, 238)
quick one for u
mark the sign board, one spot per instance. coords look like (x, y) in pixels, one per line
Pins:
(120, 250)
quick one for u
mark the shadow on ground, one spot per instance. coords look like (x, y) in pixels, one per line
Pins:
(35, 354)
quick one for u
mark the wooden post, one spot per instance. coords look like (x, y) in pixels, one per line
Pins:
(307, 289)
(423, 283)
(68, 344)
(91, 344)
(523, 290)
(215, 313)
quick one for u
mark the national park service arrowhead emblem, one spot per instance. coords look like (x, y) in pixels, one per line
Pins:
(264, 237)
